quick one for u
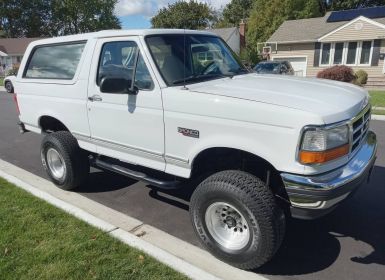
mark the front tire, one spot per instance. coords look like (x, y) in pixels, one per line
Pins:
(64, 161)
(237, 219)
(8, 87)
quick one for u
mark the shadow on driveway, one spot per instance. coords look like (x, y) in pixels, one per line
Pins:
(309, 246)
(312, 246)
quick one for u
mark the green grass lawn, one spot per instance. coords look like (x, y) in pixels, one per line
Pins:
(377, 98)
(39, 241)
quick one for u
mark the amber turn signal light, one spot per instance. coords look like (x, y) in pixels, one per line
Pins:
(307, 157)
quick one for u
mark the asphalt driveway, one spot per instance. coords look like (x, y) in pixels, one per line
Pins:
(347, 244)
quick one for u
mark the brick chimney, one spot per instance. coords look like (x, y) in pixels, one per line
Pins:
(242, 32)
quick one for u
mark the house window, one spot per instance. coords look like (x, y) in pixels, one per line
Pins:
(348, 53)
(365, 52)
(338, 53)
(325, 54)
(352, 53)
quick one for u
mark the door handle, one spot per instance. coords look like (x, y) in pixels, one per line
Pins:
(95, 98)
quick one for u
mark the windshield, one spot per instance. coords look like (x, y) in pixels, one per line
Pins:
(192, 58)
(267, 67)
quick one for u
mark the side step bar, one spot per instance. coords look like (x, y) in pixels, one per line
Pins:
(162, 184)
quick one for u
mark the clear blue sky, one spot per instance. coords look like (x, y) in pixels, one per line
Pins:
(135, 21)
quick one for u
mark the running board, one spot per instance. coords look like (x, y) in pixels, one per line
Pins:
(162, 184)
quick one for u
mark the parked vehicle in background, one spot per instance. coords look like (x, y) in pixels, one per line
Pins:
(8, 83)
(274, 67)
(176, 108)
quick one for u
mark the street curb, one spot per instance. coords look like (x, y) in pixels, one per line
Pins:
(378, 118)
(178, 254)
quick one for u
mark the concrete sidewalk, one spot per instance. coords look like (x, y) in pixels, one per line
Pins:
(188, 259)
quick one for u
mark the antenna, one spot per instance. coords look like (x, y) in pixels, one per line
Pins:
(184, 59)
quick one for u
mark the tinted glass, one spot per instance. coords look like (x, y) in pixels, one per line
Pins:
(118, 59)
(352, 50)
(338, 53)
(325, 55)
(143, 78)
(365, 52)
(266, 68)
(192, 58)
(55, 62)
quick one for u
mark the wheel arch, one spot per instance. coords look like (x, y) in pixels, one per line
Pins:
(49, 123)
(218, 159)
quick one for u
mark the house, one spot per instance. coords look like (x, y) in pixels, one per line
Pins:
(12, 51)
(233, 36)
(353, 37)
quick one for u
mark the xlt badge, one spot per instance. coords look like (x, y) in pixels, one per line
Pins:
(189, 132)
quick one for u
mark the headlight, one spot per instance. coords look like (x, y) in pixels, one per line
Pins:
(320, 145)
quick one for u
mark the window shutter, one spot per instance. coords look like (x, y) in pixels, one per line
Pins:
(317, 51)
(376, 52)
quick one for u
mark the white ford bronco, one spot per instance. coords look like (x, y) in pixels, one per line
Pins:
(176, 108)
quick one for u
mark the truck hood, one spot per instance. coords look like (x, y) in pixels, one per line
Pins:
(332, 101)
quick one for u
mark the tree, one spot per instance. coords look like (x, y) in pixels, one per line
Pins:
(73, 16)
(40, 18)
(235, 11)
(189, 15)
(354, 4)
(23, 18)
(267, 16)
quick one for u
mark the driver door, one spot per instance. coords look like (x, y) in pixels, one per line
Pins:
(124, 125)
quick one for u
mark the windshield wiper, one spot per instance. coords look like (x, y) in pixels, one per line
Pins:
(200, 78)
(241, 70)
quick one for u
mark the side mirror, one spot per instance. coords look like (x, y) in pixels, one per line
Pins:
(117, 85)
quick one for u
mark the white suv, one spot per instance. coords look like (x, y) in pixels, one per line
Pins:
(255, 149)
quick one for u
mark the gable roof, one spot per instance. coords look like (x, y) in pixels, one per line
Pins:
(224, 33)
(308, 30)
(361, 19)
(15, 46)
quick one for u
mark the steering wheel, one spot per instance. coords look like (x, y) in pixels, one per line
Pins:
(209, 68)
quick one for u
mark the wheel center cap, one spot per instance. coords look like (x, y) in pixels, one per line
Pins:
(230, 221)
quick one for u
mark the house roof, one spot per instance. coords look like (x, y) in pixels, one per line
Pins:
(224, 33)
(308, 30)
(15, 46)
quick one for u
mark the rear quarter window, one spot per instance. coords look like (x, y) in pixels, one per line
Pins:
(54, 61)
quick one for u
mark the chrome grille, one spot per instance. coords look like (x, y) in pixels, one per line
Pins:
(360, 126)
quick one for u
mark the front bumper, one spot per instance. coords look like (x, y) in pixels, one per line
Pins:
(314, 196)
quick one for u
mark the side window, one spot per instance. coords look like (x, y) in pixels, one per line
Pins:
(117, 60)
(54, 61)
(143, 79)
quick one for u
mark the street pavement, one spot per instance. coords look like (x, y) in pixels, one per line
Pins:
(347, 244)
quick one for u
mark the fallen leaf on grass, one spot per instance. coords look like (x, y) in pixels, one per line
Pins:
(141, 258)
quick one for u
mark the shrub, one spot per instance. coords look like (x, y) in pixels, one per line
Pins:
(362, 77)
(249, 57)
(13, 71)
(338, 73)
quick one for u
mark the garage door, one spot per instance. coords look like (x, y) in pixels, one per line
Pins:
(298, 63)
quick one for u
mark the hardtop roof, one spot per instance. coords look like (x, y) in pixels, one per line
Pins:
(116, 33)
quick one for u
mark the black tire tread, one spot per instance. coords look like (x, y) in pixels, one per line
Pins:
(5, 85)
(76, 159)
(254, 194)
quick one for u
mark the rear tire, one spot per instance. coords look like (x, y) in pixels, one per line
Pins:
(8, 87)
(237, 219)
(64, 161)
